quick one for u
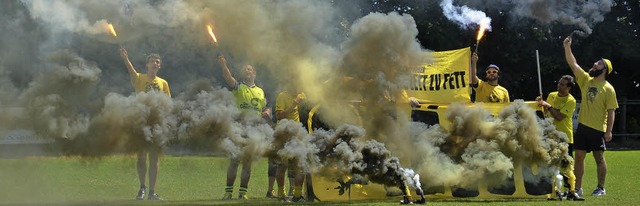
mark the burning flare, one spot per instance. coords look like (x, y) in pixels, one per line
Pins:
(112, 30)
(213, 36)
(483, 28)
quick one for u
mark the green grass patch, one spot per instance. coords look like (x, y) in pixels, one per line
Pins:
(195, 180)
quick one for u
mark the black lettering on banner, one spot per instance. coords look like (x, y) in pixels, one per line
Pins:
(437, 82)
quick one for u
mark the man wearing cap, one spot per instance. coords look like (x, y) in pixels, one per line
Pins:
(488, 91)
(596, 116)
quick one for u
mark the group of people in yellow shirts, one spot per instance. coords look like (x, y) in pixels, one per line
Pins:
(595, 118)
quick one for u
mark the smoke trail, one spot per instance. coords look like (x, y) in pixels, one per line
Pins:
(581, 14)
(466, 17)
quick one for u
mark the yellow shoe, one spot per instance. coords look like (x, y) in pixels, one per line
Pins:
(243, 197)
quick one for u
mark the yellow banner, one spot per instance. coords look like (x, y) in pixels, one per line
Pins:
(445, 79)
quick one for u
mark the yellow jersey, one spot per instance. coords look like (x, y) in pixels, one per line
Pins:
(284, 101)
(249, 99)
(491, 94)
(142, 83)
(597, 98)
(566, 105)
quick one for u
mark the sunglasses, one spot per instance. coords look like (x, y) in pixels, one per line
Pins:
(492, 72)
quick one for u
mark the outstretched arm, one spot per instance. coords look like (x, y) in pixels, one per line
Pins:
(568, 55)
(133, 74)
(474, 63)
(231, 82)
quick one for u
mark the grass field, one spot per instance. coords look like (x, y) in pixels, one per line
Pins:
(197, 180)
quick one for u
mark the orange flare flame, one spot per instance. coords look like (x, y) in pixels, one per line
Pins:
(483, 28)
(112, 30)
(213, 36)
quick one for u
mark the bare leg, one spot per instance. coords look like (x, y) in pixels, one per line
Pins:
(280, 179)
(297, 182)
(154, 167)
(271, 173)
(246, 173)
(601, 165)
(142, 166)
(579, 170)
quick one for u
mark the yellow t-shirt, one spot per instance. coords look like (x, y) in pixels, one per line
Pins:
(597, 98)
(249, 99)
(142, 83)
(489, 93)
(285, 101)
(566, 105)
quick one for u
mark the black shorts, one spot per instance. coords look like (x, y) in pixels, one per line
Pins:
(588, 139)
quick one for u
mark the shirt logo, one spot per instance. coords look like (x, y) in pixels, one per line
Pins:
(591, 94)
(151, 86)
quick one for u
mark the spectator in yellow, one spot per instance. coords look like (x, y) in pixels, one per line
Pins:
(561, 105)
(596, 116)
(250, 99)
(144, 83)
(488, 91)
(287, 104)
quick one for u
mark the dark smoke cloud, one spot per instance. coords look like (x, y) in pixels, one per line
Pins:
(65, 68)
(345, 152)
(477, 147)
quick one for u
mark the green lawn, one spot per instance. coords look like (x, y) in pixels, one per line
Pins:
(200, 181)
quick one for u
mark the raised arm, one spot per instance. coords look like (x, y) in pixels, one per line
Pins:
(568, 55)
(231, 82)
(474, 68)
(133, 74)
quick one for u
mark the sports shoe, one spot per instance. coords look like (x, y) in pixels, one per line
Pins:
(599, 192)
(284, 200)
(559, 195)
(573, 196)
(141, 194)
(227, 196)
(154, 196)
(270, 194)
(406, 200)
(243, 197)
(579, 191)
(298, 199)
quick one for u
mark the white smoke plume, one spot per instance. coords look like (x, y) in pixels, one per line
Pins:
(582, 15)
(292, 145)
(464, 16)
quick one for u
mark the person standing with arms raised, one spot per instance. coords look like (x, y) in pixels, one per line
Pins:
(250, 99)
(488, 91)
(145, 83)
(596, 116)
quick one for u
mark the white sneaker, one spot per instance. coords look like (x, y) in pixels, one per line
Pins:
(579, 191)
(599, 192)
